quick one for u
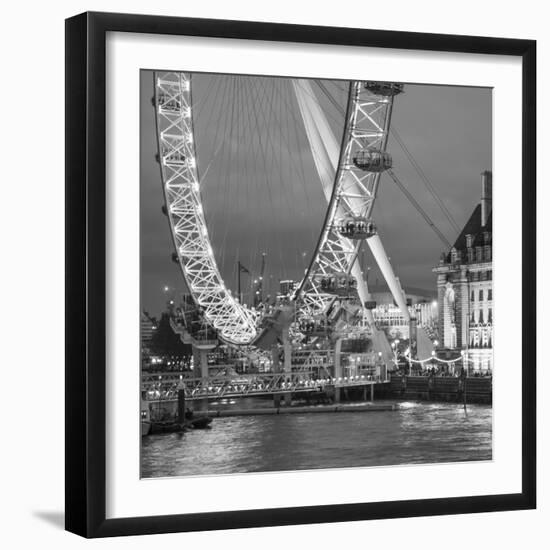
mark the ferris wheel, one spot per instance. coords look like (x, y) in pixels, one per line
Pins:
(349, 173)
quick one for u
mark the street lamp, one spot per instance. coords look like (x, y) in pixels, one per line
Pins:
(465, 365)
(408, 356)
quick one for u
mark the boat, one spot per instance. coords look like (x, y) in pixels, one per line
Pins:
(167, 427)
(145, 418)
(200, 423)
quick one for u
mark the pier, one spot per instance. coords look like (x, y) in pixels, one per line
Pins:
(470, 389)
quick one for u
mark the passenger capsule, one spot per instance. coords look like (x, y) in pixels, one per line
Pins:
(357, 228)
(174, 157)
(385, 89)
(372, 160)
(313, 326)
(169, 103)
(339, 284)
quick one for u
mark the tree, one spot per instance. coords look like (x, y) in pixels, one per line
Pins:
(166, 343)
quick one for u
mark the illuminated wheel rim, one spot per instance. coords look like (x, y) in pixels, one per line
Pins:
(367, 123)
(181, 184)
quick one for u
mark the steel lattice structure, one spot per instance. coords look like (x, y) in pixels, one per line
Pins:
(235, 323)
(354, 191)
(367, 127)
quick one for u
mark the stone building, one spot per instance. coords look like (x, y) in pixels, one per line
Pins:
(422, 305)
(465, 287)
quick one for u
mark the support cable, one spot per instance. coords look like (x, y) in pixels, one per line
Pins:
(419, 209)
(429, 186)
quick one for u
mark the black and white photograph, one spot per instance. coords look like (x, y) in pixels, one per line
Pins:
(316, 273)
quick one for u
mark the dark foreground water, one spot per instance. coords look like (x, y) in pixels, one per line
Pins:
(415, 433)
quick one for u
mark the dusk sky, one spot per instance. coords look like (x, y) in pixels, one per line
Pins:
(261, 192)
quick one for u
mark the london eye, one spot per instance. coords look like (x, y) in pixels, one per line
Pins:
(348, 172)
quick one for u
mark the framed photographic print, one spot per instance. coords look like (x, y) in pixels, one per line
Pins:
(293, 258)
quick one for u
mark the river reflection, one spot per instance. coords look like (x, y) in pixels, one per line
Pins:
(415, 433)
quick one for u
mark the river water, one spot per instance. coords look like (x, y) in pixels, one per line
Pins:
(414, 433)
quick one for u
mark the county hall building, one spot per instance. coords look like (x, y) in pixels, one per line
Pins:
(465, 287)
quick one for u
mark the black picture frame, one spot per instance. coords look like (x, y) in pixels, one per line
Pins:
(86, 276)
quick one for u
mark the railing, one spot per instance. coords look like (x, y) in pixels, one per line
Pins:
(166, 387)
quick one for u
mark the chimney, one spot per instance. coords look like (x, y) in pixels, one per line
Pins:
(486, 196)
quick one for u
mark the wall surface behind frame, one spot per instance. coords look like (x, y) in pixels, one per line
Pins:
(32, 234)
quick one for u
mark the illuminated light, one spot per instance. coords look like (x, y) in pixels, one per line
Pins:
(434, 303)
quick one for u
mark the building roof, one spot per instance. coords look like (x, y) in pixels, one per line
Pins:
(473, 227)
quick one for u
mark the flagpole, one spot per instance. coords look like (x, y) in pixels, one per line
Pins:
(239, 282)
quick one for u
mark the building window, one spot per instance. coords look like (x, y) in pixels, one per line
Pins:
(453, 254)
(490, 316)
(480, 316)
(469, 240)
(481, 295)
(479, 254)
(473, 298)
(490, 275)
(473, 319)
(487, 252)
(490, 294)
